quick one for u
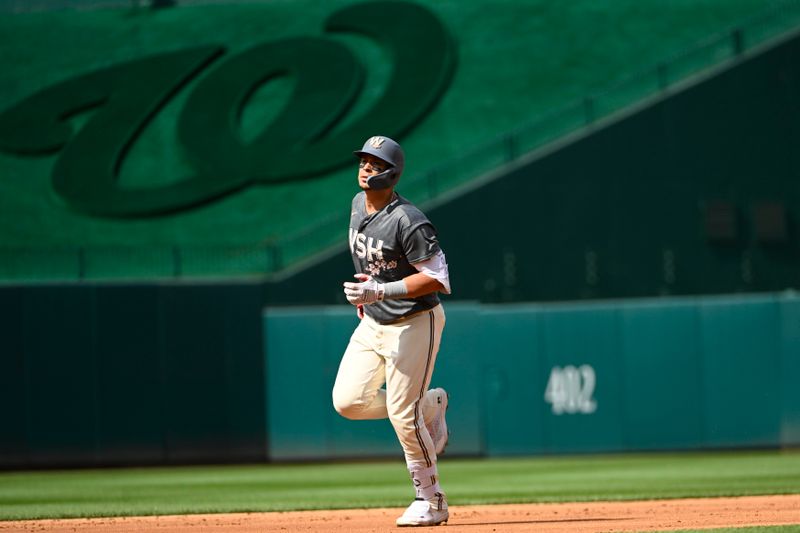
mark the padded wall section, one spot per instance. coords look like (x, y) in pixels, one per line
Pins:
(612, 376)
(131, 374)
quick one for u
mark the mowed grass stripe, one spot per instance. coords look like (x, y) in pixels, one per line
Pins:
(761, 529)
(251, 488)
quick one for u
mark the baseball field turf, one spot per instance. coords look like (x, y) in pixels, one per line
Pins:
(247, 488)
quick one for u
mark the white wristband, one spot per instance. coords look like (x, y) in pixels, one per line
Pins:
(394, 289)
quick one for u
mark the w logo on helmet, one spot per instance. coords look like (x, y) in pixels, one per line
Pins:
(376, 142)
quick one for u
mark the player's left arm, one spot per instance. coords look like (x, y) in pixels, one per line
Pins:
(432, 276)
(420, 284)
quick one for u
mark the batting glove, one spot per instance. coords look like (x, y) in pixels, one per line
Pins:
(367, 292)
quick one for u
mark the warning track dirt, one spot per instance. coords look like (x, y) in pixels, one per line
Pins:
(584, 517)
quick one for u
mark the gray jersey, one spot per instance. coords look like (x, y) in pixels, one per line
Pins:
(385, 244)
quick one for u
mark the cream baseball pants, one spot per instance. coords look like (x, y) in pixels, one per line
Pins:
(402, 357)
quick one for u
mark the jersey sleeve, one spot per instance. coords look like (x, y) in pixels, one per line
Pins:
(436, 267)
(420, 243)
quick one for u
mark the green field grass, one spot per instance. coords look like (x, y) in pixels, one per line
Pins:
(772, 529)
(211, 489)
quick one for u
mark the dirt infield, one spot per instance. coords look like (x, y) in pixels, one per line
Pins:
(656, 515)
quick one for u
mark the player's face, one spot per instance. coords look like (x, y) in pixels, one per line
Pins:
(369, 166)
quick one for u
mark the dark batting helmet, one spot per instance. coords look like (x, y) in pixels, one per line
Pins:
(386, 150)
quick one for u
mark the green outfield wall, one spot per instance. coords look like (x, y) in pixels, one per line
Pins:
(131, 374)
(100, 375)
(610, 376)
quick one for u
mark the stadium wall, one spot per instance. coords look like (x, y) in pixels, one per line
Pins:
(610, 376)
(169, 374)
(696, 193)
(95, 375)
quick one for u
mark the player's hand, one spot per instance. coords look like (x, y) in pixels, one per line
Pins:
(366, 292)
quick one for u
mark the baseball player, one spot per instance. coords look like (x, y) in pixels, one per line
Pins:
(400, 270)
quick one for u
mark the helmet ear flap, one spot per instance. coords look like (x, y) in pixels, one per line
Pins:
(383, 180)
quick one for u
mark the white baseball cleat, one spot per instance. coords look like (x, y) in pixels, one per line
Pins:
(438, 426)
(423, 513)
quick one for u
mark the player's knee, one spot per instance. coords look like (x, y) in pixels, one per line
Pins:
(347, 410)
(346, 405)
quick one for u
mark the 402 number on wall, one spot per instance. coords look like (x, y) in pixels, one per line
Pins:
(570, 390)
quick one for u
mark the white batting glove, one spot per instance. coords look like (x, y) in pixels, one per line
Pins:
(366, 292)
